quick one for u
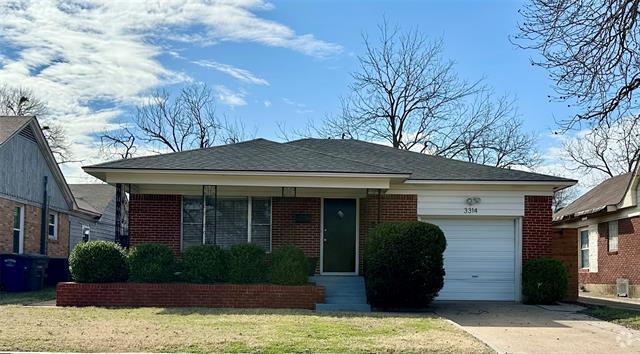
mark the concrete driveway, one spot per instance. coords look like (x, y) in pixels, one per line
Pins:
(516, 328)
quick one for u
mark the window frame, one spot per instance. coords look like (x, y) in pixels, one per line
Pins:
(249, 201)
(53, 237)
(610, 237)
(581, 249)
(20, 229)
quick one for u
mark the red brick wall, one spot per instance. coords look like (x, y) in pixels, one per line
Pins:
(393, 207)
(536, 227)
(285, 230)
(155, 218)
(190, 295)
(625, 263)
(32, 222)
(564, 248)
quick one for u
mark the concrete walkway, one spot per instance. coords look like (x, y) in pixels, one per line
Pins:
(612, 301)
(516, 328)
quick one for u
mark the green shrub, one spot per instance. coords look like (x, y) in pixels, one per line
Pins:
(248, 264)
(205, 264)
(544, 281)
(98, 262)
(289, 266)
(404, 264)
(151, 263)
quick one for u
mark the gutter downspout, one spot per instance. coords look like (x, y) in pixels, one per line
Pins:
(45, 217)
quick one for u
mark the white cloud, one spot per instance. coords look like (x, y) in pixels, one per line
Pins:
(267, 103)
(300, 108)
(72, 53)
(240, 74)
(230, 97)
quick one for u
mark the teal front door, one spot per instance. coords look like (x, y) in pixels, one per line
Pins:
(339, 236)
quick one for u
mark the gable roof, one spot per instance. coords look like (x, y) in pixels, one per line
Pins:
(421, 166)
(93, 197)
(10, 126)
(325, 156)
(608, 193)
(259, 155)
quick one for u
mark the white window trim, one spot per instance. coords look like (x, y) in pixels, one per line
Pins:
(21, 230)
(86, 227)
(609, 235)
(580, 248)
(55, 226)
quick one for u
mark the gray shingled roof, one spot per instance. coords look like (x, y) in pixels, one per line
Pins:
(326, 155)
(254, 155)
(10, 125)
(421, 166)
(93, 197)
(609, 192)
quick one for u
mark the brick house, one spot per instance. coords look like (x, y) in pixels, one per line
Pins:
(35, 200)
(325, 195)
(604, 225)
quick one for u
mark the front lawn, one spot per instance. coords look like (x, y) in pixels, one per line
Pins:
(217, 330)
(627, 318)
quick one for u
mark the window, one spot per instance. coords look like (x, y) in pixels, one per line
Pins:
(227, 221)
(86, 233)
(584, 249)
(53, 226)
(613, 236)
(18, 235)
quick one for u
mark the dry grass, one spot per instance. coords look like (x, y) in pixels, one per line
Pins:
(24, 328)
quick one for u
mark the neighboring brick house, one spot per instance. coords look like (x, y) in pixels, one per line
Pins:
(31, 184)
(604, 225)
(325, 195)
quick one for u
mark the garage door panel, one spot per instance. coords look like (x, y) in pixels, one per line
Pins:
(479, 260)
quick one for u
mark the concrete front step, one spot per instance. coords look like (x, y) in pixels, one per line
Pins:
(342, 293)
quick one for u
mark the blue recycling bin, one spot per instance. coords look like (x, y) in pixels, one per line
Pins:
(14, 269)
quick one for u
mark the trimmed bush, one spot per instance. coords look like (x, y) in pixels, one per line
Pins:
(151, 263)
(404, 266)
(205, 264)
(248, 264)
(544, 281)
(98, 262)
(289, 266)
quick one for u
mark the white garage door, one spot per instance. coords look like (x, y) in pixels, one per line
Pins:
(479, 260)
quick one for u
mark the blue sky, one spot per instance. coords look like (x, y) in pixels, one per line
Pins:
(270, 63)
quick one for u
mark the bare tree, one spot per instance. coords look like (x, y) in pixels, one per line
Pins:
(592, 52)
(168, 123)
(406, 94)
(563, 197)
(610, 150)
(20, 101)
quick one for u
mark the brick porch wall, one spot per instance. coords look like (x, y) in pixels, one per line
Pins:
(155, 218)
(624, 263)
(536, 227)
(190, 295)
(32, 222)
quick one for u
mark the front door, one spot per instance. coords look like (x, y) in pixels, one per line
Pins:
(339, 236)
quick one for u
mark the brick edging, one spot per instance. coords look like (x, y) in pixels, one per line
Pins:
(189, 295)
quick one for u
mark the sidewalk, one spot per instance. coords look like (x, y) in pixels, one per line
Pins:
(611, 301)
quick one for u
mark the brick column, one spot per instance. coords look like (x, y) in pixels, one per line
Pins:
(536, 227)
(155, 218)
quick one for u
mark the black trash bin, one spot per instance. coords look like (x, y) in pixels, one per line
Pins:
(13, 270)
(37, 271)
(23, 272)
(57, 272)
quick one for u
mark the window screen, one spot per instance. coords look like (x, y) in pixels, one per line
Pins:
(261, 222)
(584, 249)
(613, 236)
(191, 221)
